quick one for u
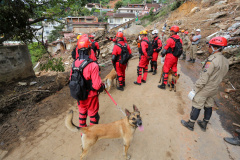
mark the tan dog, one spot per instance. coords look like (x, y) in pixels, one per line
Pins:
(171, 78)
(108, 80)
(123, 128)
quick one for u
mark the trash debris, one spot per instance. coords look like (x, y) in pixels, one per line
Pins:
(22, 83)
(32, 83)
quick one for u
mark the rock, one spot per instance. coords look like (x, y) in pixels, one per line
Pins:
(218, 15)
(133, 30)
(103, 55)
(223, 26)
(37, 73)
(22, 83)
(32, 83)
(221, 3)
(199, 52)
(237, 19)
(234, 26)
(194, 10)
(236, 33)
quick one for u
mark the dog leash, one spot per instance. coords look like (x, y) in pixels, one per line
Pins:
(119, 108)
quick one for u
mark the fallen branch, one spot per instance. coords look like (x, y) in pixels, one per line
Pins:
(235, 124)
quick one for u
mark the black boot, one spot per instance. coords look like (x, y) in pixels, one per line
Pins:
(120, 88)
(154, 72)
(151, 70)
(190, 60)
(143, 81)
(233, 141)
(123, 84)
(137, 83)
(162, 86)
(193, 61)
(189, 125)
(203, 125)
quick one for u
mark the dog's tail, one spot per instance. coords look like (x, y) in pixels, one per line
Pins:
(69, 124)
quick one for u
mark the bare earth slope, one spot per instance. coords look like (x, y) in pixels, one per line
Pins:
(163, 138)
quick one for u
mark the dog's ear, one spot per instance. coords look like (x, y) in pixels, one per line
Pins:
(127, 112)
(135, 109)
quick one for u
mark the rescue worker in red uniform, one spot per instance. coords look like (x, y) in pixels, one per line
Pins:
(90, 106)
(75, 52)
(115, 39)
(170, 60)
(116, 57)
(157, 46)
(144, 59)
(95, 46)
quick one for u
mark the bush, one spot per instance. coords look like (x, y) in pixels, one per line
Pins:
(54, 64)
(36, 51)
(175, 5)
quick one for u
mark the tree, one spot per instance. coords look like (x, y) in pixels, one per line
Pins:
(17, 16)
(55, 34)
(118, 5)
(85, 12)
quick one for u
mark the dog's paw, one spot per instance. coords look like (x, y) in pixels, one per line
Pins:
(128, 157)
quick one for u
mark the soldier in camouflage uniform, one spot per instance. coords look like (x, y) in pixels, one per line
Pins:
(185, 44)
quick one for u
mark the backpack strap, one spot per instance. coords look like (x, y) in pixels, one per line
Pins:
(84, 64)
(175, 40)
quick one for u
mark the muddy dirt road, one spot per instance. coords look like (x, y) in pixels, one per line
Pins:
(163, 137)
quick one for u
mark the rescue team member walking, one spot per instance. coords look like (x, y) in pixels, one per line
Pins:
(89, 106)
(215, 68)
(115, 40)
(185, 44)
(157, 46)
(170, 60)
(75, 52)
(117, 57)
(95, 46)
(144, 59)
(193, 49)
(163, 38)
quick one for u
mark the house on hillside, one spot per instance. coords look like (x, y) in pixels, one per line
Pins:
(120, 18)
(84, 24)
(136, 11)
(136, 5)
(148, 7)
(89, 6)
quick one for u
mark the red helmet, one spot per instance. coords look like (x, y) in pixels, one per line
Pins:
(119, 34)
(186, 32)
(218, 41)
(91, 36)
(83, 42)
(174, 29)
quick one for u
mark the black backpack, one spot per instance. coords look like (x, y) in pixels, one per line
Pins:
(150, 48)
(178, 49)
(79, 86)
(94, 46)
(125, 55)
(155, 45)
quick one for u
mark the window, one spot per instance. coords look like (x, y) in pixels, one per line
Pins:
(125, 20)
(47, 32)
(110, 20)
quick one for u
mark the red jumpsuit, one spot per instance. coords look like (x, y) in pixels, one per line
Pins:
(90, 106)
(157, 45)
(114, 40)
(120, 68)
(96, 47)
(170, 60)
(143, 63)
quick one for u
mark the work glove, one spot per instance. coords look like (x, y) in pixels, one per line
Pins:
(101, 88)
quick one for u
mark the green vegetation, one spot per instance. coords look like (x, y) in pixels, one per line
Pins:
(54, 64)
(118, 4)
(36, 51)
(55, 34)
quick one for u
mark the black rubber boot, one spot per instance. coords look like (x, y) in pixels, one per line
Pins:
(189, 125)
(233, 141)
(190, 60)
(203, 125)
(120, 88)
(154, 72)
(143, 81)
(193, 61)
(123, 84)
(162, 86)
(151, 70)
(137, 83)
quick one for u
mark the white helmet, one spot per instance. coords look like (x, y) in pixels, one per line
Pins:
(198, 30)
(120, 30)
(155, 31)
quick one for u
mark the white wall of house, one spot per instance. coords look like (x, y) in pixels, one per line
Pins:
(136, 11)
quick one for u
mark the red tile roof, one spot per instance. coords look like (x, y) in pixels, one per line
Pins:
(124, 15)
(154, 5)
